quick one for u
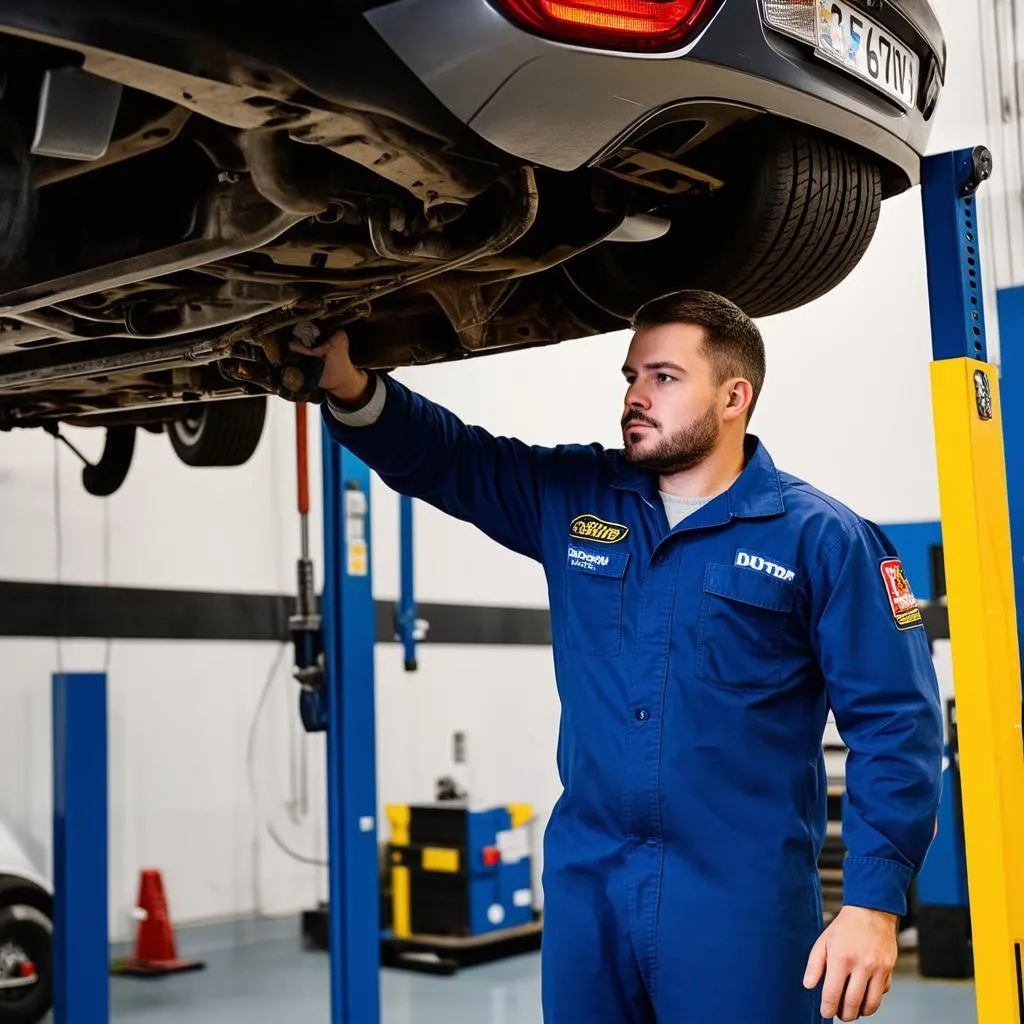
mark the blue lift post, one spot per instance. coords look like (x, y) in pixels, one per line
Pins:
(349, 632)
(81, 992)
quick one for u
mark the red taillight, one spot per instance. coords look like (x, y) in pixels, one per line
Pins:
(638, 25)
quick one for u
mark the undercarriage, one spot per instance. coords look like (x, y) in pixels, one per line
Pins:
(175, 210)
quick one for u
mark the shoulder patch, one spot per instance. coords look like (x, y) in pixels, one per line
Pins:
(593, 528)
(902, 602)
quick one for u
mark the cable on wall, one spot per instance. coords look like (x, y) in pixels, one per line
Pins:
(251, 768)
(108, 641)
(59, 557)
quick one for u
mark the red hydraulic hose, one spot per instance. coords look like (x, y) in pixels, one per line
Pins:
(302, 458)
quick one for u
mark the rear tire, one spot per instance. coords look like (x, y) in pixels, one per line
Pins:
(219, 433)
(787, 228)
(103, 478)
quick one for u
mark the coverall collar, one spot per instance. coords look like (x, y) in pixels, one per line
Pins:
(756, 492)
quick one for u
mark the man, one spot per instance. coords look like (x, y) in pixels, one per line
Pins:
(707, 610)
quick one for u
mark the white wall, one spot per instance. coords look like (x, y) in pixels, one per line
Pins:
(180, 714)
(847, 405)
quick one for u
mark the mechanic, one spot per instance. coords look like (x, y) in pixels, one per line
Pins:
(707, 610)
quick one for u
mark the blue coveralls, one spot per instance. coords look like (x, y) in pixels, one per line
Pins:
(695, 669)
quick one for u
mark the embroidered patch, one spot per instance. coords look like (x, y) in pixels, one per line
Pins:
(757, 563)
(596, 529)
(601, 563)
(902, 602)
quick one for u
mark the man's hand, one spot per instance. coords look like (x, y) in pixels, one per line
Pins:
(856, 953)
(340, 377)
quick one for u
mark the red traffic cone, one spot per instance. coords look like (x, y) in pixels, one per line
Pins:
(155, 951)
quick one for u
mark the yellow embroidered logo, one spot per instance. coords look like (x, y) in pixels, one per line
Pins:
(600, 530)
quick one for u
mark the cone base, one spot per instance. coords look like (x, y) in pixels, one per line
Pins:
(149, 968)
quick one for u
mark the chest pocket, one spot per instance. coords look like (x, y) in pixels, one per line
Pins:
(593, 600)
(744, 620)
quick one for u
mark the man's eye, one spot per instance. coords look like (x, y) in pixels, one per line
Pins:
(664, 377)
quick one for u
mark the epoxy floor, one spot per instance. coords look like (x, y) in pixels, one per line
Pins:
(267, 977)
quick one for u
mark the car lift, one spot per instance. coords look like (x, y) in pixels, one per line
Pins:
(979, 568)
(337, 674)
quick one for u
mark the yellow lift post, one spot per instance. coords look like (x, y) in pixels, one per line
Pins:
(974, 511)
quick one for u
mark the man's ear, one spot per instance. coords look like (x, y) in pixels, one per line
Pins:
(739, 397)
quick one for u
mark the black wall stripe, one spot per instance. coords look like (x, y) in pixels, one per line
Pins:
(129, 613)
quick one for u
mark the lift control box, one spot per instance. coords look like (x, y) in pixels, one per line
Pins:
(458, 872)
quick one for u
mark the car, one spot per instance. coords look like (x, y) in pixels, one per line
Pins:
(26, 935)
(188, 188)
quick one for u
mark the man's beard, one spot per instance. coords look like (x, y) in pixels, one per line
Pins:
(685, 449)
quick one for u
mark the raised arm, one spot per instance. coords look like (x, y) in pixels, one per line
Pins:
(419, 448)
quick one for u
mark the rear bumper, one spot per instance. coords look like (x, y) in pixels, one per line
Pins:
(581, 102)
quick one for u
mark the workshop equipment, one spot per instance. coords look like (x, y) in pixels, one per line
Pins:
(305, 624)
(979, 572)
(457, 887)
(81, 989)
(460, 886)
(345, 708)
(407, 627)
(455, 871)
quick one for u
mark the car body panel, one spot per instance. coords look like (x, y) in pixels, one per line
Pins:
(15, 861)
(487, 71)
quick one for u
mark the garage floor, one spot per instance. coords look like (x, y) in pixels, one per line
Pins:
(261, 975)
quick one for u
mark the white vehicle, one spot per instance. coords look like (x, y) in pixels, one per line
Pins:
(26, 933)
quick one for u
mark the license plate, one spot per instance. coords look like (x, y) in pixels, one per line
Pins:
(867, 51)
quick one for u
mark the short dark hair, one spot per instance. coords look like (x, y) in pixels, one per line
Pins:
(732, 343)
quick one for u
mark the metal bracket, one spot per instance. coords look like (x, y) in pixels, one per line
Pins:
(980, 170)
(983, 394)
(659, 172)
(76, 114)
